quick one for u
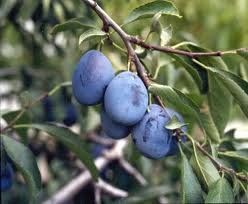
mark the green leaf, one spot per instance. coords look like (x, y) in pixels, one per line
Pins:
(204, 168)
(25, 163)
(174, 123)
(235, 85)
(145, 194)
(188, 65)
(76, 23)
(243, 53)
(150, 9)
(185, 105)
(217, 93)
(89, 34)
(9, 116)
(191, 188)
(220, 192)
(70, 140)
(241, 155)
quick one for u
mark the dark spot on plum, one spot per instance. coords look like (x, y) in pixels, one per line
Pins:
(148, 128)
(134, 140)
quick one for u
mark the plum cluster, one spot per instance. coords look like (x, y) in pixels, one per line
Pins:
(125, 107)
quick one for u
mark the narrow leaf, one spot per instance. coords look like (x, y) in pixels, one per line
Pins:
(89, 34)
(204, 169)
(77, 23)
(150, 9)
(25, 163)
(241, 155)
(191, 188)
(220, 192)
(69, 139)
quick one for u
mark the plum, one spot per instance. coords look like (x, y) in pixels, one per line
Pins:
(112, 128)
(91, 77)
(126, 99)
(70, 115)
(48, 113)
(150, 136)
(6, 176)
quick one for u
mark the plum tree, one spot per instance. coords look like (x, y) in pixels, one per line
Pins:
(6, 176)
(112, 128)
(126, 99)
(70, 115)
(150, 136)
(91, 77)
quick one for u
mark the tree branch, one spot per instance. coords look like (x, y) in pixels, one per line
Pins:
(75, 185)
(107, 20)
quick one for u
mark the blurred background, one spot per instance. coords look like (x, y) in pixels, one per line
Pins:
(33, 61)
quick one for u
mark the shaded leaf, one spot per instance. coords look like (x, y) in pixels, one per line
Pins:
(9, 116)
(191, 188)
(220, 192)
(204, 168)
(241, 155)
(235, 85)
(217, 93)
(89, 34)
(69, 139)
(150, 9)
(25, 163)
(185, 105)
(76, 23)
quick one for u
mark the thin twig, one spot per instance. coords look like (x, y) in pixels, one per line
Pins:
(133, 172)
(111, 190)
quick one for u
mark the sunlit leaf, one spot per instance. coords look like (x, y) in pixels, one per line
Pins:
(150, 9)
(89, 34)
(76, 23)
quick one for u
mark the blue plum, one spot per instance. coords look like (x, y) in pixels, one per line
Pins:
(126, 99)
(91, 77)
(112, 128)
(48, 109)
(70, 115)
(6, 176)
(150, 136)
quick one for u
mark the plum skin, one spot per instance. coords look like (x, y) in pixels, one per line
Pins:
(126, 99)
(151, 137)
(6, 177)
(70, 115)
(112, 128)
(91, 77)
